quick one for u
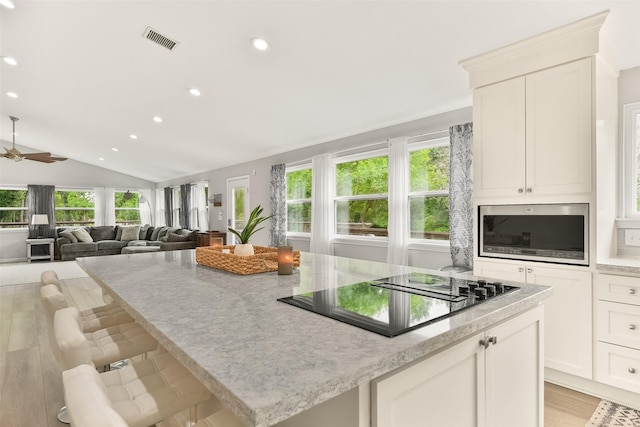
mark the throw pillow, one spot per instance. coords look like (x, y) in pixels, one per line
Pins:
(82, 235)
(130, 232)
(69, 235)
(173, 237)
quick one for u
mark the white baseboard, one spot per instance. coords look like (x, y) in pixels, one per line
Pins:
(593, 388)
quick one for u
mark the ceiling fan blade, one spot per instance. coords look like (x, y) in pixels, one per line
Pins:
(25, 155)
(58, 159)
(41, 159)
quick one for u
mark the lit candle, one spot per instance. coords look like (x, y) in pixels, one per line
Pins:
(216, 242)
(285, 260)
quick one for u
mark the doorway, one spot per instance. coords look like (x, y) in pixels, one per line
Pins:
(237, 205)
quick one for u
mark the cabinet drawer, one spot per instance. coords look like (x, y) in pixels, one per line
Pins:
(619, 324)
(623, 289)
(618, 366)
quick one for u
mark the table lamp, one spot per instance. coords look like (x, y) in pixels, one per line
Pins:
(38, 220)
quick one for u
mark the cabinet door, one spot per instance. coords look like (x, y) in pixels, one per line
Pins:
(568, 333)
(516, 359)
(558, 137)
(500, 271)
(499, 139)
(444, 390)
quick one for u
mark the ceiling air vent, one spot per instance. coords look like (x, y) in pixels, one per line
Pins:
(158, 38)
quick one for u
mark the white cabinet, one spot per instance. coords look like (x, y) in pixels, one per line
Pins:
(568, 312)
(618, 331)
(532, 134)
(492, 379)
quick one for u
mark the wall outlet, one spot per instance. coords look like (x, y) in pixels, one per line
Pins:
(632, 237)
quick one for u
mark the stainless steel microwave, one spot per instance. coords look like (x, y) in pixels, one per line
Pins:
(556, 233)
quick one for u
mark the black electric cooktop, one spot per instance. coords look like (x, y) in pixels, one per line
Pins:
(399, 304)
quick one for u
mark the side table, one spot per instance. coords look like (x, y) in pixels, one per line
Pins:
(35, 242)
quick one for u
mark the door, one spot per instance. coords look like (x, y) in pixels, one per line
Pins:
(559, 129)
(568, 334)
(237, 205)
(443, 390)
(499, 139)
(515, 371)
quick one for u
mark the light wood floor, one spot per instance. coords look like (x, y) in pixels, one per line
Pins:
(30, 381)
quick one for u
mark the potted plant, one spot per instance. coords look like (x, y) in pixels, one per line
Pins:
(255, 218)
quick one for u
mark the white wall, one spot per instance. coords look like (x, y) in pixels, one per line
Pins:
(66, 174)
(260, 179)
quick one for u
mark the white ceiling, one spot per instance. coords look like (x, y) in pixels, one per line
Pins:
(87, 79)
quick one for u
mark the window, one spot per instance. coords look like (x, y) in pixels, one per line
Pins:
(127, 208)
(299, 199)
(75, 208)
(429, 190)
(13, 208)
(361, 196)
(632, 155)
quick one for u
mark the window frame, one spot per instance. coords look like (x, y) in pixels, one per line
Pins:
(360, 155)
(419, 145)
(75, 190)
(631, 137)
(297, 168)
(10, 208)
(116, 209)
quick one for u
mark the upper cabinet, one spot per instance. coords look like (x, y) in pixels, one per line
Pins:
(532, 134)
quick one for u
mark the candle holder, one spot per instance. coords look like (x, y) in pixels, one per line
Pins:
(216, 242)
(285, 260)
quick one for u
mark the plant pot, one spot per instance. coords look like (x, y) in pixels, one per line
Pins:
(243, 249)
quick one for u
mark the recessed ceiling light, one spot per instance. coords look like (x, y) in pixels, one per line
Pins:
(157, 119)
(9, 60)
(101, 159)
(12, 94)
(7, 3)
(260, 43)
(132, 136)
(195, 92)
(115, 149)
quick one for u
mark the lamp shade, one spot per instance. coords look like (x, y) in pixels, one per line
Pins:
(39, 219)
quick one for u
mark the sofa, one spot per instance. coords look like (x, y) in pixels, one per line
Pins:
(111, 239)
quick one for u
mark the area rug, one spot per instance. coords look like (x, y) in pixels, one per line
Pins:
(612, 414)
(13, 274)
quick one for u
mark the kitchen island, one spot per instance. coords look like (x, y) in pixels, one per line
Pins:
(270, 362)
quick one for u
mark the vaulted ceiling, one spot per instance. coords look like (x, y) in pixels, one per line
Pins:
(87, 79)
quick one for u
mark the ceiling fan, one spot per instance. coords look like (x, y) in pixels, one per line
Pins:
(17, 156)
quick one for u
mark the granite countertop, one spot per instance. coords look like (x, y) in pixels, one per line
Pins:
(267, 360)
(629, 265)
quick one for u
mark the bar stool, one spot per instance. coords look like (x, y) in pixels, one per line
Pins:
(90, 403)
(94, 318)
(141, 394)
(49, 277)
(106, 345)
(107, 349)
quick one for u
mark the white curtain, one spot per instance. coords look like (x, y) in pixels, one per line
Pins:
(109, 206)
(99, 206)
(322, 212)
(199, 213)
(144, 205)
(398, 227)
(159, 208)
